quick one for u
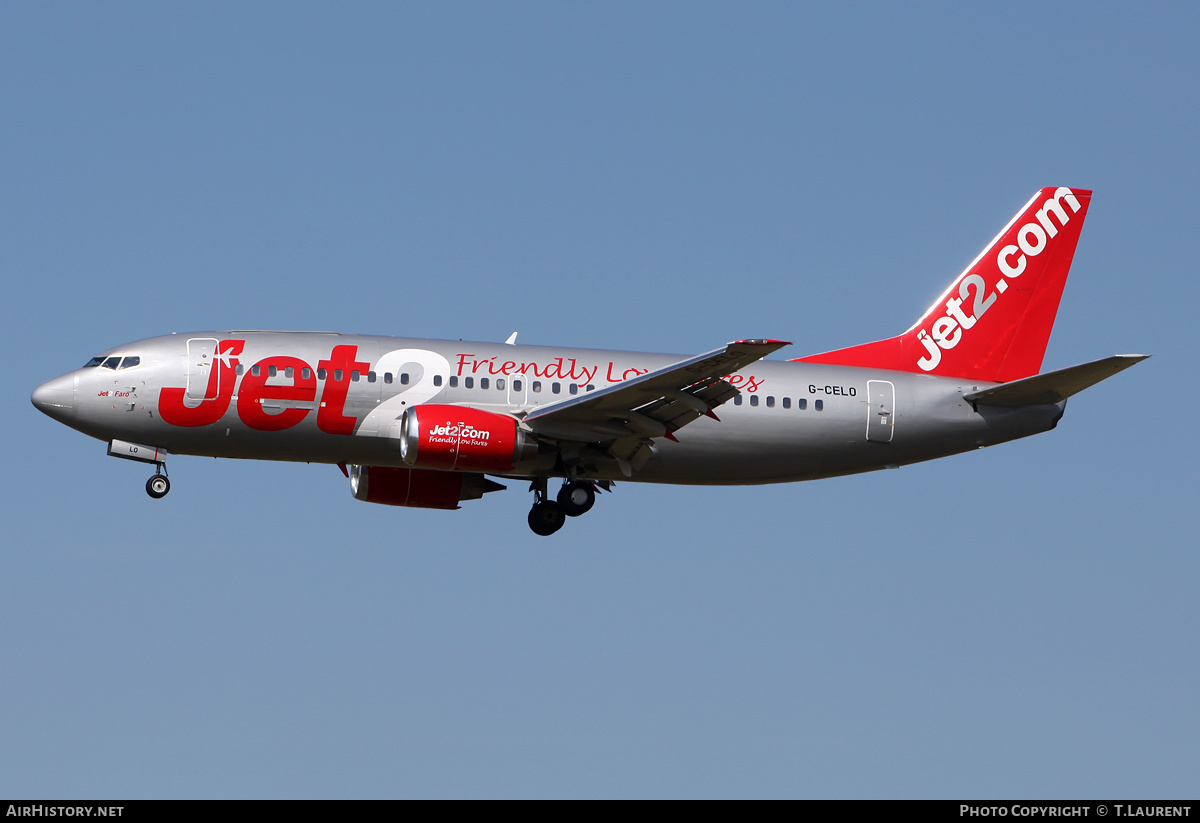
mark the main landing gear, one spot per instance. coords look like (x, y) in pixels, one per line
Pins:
(547, 516)
(576, 498)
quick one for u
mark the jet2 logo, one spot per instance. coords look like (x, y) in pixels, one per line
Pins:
(455, 432)
(254, 390)
(1032, 239)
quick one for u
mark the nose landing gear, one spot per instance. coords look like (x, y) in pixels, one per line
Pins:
(158, 485)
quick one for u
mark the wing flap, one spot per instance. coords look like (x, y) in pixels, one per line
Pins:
(675, 409)
(1055, 386)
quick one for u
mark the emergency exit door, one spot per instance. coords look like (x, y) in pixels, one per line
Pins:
(881, 411)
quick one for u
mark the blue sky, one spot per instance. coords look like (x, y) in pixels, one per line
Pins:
(1017, 622)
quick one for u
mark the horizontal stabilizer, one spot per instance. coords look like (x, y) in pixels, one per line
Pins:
(1055, 386)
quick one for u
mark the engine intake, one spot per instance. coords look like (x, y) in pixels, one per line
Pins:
(458, 438)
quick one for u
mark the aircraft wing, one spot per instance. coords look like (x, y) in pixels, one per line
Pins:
(656, 404)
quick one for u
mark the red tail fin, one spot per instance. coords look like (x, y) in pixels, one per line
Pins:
(994, 321)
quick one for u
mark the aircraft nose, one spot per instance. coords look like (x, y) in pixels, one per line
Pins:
(56, 397)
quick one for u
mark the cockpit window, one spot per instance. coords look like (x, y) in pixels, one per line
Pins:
(113, 362)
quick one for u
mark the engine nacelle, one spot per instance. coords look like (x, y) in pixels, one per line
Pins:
(417, 488)
(457, 438)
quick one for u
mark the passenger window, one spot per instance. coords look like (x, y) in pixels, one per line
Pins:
(754, 400)
(537, 385)
(111, 363)
(770, 402)
(819, 405)
(453, 381)
(737, 401)
(289, 372)
(516, 385)
(802, 403)
(437, 380)
(322, 374)
(272, 371)
(339, 375)
(256, 370)
(355, 376)
(574, 389)
(483, 382)
(387, 377)
(240, 370)
(403, 378)
(130, 362)
(469, 382)
(500, 383)
(306, 373)
(371, 377)
(556, 387)
(787, 402)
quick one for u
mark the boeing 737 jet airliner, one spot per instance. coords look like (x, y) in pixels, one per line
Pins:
(428, 423)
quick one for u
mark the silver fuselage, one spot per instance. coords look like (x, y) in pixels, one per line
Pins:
(792, 420)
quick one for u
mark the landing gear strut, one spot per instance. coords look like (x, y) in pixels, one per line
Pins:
(158, 485)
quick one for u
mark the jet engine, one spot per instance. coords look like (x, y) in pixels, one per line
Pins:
(417, 488)
(457, 438)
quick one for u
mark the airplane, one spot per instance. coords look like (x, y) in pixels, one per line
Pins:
(429, 423)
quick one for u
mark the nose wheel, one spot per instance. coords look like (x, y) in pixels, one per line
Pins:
(158, 486)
